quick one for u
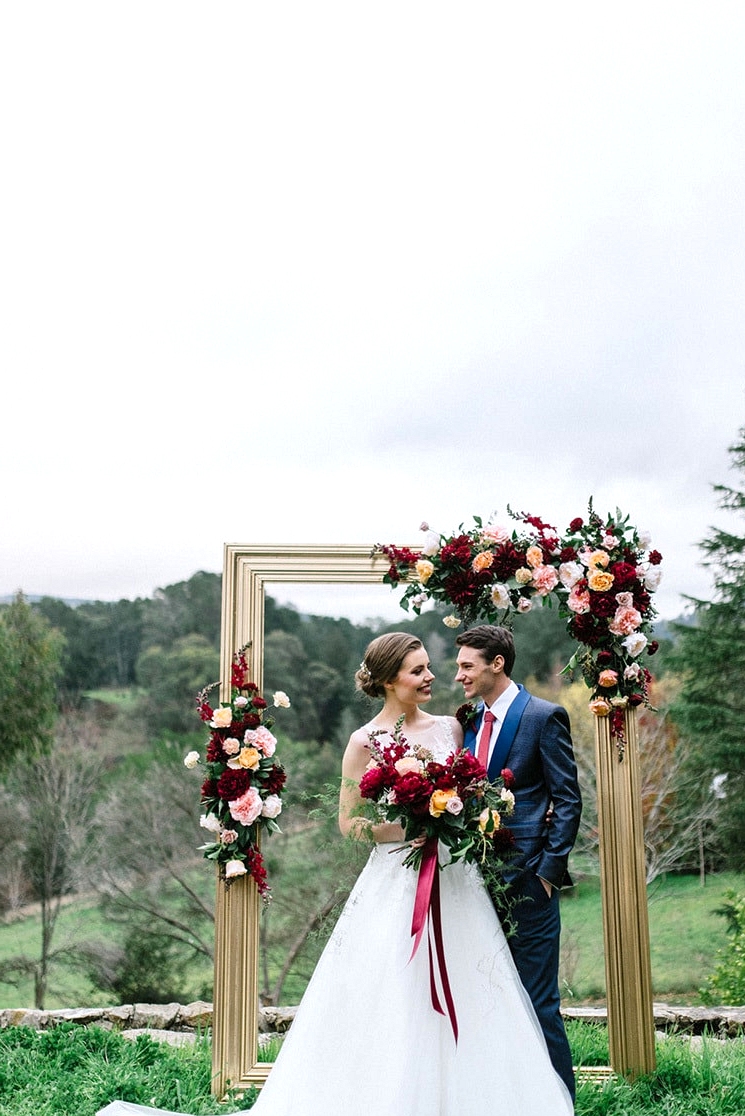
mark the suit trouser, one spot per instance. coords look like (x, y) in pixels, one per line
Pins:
(535, 950)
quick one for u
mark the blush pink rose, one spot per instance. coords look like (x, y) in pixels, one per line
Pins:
(625, 621)
(545, 579)
(247, 808)
(579, 600)
(262, 739)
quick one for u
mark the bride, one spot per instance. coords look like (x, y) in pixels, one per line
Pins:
(366, 1037)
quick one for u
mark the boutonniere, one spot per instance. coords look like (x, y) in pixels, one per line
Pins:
(466, 714)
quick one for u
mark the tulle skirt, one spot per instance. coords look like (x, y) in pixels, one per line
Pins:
(366, 1038)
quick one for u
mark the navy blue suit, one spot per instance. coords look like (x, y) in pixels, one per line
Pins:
(542, 761)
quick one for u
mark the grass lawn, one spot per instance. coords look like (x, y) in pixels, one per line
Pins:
(74, 1071)
(684, 937)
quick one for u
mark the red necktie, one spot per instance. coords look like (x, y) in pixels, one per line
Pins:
(482, 749)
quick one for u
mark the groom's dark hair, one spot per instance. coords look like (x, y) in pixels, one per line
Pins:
(491, 641)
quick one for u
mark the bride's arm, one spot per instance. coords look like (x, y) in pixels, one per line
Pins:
(351, 823)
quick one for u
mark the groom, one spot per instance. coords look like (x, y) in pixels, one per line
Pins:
(532, 737)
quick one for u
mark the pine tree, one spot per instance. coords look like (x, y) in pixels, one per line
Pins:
(710, 654)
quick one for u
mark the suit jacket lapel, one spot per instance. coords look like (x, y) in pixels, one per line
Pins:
(507, 732)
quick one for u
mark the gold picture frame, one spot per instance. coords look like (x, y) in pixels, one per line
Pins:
(246, 572)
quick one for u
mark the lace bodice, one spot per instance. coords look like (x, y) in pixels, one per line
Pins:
(437, 738)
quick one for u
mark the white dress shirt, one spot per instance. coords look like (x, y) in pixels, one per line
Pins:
(499, 709)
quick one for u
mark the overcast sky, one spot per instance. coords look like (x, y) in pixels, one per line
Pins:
(311, 273)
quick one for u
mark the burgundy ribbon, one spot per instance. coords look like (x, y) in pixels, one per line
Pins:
(427, 909)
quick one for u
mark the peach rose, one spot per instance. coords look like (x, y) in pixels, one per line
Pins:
(222, 717)
(407, 764)
(608, 678)
(424, 570)
(523, 576)
(438, 802)
(248, 758)
(495, 533)
(600, 707)
(599, 581)
(482, 561)
(534, 556)
(598, 559)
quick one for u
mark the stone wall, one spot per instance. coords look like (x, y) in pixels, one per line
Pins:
(190, 1019)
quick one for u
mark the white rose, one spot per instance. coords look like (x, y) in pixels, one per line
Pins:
(451, 621)
(632, 672)
(431, 544)
(508, 797)
(523, 575)
(635, 644)
(210, 822)
(645, 540)
(272, 806)
(454, 805)
(281, 700)
(609, 541)
(234, 868)
(191, 760)
(500, 596)
(240, 701)
(652, 577)
(570, 573)
(524, 604)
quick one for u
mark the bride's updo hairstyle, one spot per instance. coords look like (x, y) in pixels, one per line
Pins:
(383, 660)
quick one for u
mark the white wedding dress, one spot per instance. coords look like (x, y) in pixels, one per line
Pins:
(366, 1038)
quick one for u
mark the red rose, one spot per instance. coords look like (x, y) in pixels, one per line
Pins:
(585, 628)
(457, 551)
(275, 779)
(635, 699)
(576, 525)
(603, 605)
(654, 557)
(233, 783)
(568, 554)
(252, 720)
(623, 575)
(466, 768)
(653, 647)
(412, 792)
(508, 777)
(375, 780)
(439, 775)
(209, 788)
(503, 840)
(258, 703)
(604, 658)
(507, 559)
(215, 753)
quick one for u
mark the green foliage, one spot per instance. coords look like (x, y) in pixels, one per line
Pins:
(149, 969)
(726, 985)
(30, 654)
(171, 676)
(711, 656)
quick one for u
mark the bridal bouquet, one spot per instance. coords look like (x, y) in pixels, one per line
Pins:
(453, 801)
(241, 795)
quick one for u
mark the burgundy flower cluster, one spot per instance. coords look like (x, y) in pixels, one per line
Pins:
(241, 795)
(602, 574)
(452, 801)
